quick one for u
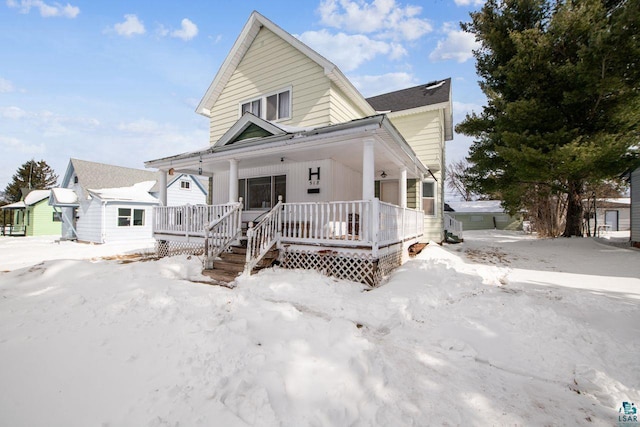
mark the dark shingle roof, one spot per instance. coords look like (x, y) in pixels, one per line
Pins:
(413, 97)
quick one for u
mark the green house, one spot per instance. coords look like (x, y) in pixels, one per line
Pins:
(32, 216)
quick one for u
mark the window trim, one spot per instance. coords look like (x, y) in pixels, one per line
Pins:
(435, 197)
(263, 104)
(131, 217)
(274, 197)
(186, 187)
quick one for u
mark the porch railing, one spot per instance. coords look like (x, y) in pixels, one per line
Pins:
(187, 220)
(453, 226)
(262, 236)
(221, 233)
(359, 223)
(399, 224)
(349, 223)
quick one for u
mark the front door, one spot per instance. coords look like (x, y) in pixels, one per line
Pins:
(611, 219)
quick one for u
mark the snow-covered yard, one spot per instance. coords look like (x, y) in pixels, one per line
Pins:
(504, 329)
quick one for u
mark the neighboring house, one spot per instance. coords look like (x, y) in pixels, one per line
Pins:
(32, 216)
(104, 203)
(186, 189)
(285, 122)
(611, 215)
(484, 215)
(634, 179)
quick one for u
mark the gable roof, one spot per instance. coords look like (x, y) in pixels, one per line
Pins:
(418, 98)
(246, 122)
(194, 178)
(99, 175)
(241, 46)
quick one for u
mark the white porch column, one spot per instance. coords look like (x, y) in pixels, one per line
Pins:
(233, 181)
(163, 187)
(402, 188)
(368, 171)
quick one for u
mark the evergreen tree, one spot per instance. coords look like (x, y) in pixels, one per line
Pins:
(562, 83)
(31, 175)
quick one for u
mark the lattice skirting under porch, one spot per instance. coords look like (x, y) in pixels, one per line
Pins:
(168, 248)
(357, 267)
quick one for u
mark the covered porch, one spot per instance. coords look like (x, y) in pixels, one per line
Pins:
(13, 219)
(315, 195)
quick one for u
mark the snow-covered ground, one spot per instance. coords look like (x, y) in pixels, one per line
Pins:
(504, 329)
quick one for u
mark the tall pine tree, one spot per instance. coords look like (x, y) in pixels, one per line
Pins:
(561, 79)
(31, 175)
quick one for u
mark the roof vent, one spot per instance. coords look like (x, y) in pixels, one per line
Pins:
(434, 85)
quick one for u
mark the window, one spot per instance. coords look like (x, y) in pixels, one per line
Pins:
(75, 179)
(276, 106)
(429, 197)
(57, 217)
(185, 185)
(124, 217)
(262, 192)
(252, 107)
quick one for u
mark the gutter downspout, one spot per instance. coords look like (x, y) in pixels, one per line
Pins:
(103, 224)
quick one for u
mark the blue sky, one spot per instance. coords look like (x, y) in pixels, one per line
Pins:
(118, 81)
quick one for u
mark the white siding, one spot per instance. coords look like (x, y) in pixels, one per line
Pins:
(178, 196)
(271, 64)
(425, 133)
(635, 206)
(89, 224)
(113, 233)
(347, 183)
(337, 182)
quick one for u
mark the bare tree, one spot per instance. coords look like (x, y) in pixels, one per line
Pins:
(456, 180)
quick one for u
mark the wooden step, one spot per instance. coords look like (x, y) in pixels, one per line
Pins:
(221, 275)
(229, 266)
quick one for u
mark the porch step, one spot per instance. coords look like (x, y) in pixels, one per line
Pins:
(231, 264)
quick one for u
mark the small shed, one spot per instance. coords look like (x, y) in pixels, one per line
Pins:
(484, 215)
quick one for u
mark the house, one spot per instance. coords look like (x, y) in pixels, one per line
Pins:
(484, 215)
(101, 203)
(332, 180)
(32, 216)
(612, 214)
(634, 179)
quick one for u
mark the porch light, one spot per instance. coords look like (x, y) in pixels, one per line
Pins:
(383, 174)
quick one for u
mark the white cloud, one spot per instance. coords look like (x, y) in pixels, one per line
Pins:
(376, 85)
(469, 2)
(187, 31)
(386, 18)
(46, 10)
(130, 27)
(13, 113)
(461, 109)
(349, 51)
(162, 31)
(141, 126)
(10, 144)
(458, 45)
(6, 86)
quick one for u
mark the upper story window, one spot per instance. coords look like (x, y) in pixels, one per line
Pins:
(185, 185)
(275, 106)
